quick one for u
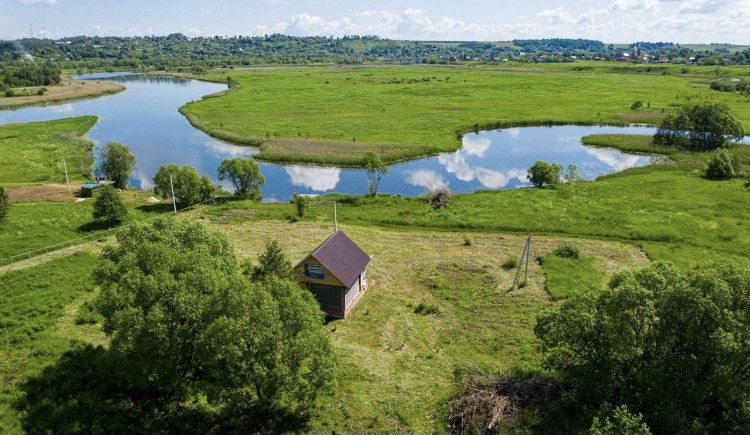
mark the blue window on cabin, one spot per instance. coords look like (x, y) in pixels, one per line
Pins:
(314, 271)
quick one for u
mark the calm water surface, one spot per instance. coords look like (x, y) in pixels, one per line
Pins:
(145, 118)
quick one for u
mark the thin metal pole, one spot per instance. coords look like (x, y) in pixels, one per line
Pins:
(335, 216)
(528, 254)
(174, 201)
(67, 180)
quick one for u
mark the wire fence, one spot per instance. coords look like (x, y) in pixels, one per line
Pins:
(94, 237)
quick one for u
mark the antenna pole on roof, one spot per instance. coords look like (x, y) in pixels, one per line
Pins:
(335, 217)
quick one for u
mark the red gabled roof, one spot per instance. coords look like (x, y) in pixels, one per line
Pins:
(342, 257)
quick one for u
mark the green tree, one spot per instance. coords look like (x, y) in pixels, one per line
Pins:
(108, 206)
(376, 169)
(272, 263)
(619, 421)
(721, 165)
(673, 346)
(543, 174)
(117, 162)
(245, 176)
(189, 187)
(196, 336)
(700, 127)
(4, 204)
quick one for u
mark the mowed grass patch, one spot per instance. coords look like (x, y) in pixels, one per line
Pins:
(565, 277)
(35, 225)
(32, 304)
(422, 110)
(397, 363)
(34, 152)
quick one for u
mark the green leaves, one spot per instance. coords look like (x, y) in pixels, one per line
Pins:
(673, 346)
(189, 188)
(189, 327)
(117, 164)
(700, 127)
(245, 175)
(108, 207)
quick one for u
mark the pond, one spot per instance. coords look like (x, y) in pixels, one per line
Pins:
(145, 117)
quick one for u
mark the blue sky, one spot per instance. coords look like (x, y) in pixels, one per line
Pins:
(686, 21)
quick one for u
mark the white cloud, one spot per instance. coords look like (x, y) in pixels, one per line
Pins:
(427, 179)
(492, 179)
(475, 145)
(456, 164)
(34, 2)
(314, 178)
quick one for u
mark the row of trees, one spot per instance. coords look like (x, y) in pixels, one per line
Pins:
(21, 74)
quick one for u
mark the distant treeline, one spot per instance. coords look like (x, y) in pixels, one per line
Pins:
(179, 51)
(27, 73)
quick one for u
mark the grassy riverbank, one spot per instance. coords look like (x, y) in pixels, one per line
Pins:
(334, 115)
(33, 153)
(68, 90)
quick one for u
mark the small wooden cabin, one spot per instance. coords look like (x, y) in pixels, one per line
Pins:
(336, 273)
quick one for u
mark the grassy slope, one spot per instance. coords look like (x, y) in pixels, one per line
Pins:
(316, 114)
(34, 152)
(36, 326)
(564, 277)
(396, 368)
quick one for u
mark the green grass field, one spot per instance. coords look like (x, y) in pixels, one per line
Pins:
(565, 277)
(38, 307)
(334, 115)
(33, 153)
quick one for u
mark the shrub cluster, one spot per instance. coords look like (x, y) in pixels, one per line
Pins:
(721, 166)
(567, 251)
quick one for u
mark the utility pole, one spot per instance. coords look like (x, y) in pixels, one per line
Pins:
(174, 201)
(335, 217)
(67, 180)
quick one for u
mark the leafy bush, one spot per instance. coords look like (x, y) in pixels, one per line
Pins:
(439, 198)
(619, 421)
(117, 162)
(720, 165)
(543, 174)
(245, 175)
(636, 105)
(700, 127)
(272, 263)
(108, 206)
(567, 251)
(189, 188)
(4, 204)
(665, 343)
(300, 204)
(426, 309)
(468, 241)
(510, 263)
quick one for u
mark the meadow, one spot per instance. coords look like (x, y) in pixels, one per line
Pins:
(33, 153)
(333, 115)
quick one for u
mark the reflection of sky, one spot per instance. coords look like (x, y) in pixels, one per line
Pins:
(145, 118)
(314, 178)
